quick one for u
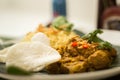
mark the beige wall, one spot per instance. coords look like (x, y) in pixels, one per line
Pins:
(25, 15)
(84, 11)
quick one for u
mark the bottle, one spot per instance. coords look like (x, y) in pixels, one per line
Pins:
(111, 15)
(59, 8)
(111, 18)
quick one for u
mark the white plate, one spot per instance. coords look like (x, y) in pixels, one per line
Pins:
(112, 36)
(79, 76)
(109, 35)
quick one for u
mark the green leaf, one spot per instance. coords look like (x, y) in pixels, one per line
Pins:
(68, 27)
(92, 37)
(17, 71)
(104, 45)
(62, 21)
(59, 21)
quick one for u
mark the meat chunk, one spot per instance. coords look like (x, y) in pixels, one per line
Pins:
(80, 56)
(99, 59)
(69, 67)
(74, 67)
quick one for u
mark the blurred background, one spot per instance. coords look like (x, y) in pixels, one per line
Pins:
(17, 17)
(20, 16)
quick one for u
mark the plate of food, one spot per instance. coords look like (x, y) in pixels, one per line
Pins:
(58, 52)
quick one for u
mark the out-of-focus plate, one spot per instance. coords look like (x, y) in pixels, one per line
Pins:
(112, 36)
(113, 70)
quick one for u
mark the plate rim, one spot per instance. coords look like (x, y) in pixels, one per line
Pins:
(90, 75)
